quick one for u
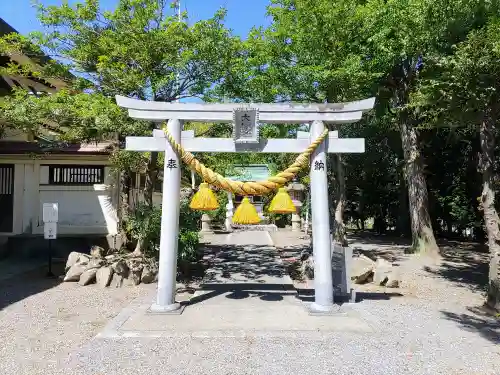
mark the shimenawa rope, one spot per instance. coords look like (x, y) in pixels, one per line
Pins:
(245, 188)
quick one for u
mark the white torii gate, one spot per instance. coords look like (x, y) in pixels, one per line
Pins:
(176, 113)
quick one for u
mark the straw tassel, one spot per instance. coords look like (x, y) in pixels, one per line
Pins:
(246, 213)
(282, 203)
(204, 199)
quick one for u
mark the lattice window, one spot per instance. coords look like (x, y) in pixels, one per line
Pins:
(76, 174)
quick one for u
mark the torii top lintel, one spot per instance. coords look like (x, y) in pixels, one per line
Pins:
(269, 113)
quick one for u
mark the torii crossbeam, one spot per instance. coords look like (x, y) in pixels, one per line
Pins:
(246, 139)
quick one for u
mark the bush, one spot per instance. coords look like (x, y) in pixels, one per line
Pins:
(144, 224)
(189, 239)
(219, 216)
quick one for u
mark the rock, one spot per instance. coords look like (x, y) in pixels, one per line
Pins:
(97, 252)
(121, 268)
(135, 267)
(116, 281)
(88, 277)
(135, 264)
(95, 263)
(72, 259)
(104, 276)
(148, 276)
(381, 272)
(393, 279)
(83, 259)
(134, 277)
(361, 269)
(307, 268)
(75, 272)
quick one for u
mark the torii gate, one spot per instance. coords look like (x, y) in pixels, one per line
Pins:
(246, 139)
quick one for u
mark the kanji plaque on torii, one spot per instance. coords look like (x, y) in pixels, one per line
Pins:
(246, 125)
(246, 139)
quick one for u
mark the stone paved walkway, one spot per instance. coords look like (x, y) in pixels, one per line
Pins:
(246, 292)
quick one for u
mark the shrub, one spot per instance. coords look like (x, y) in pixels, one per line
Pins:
(144, 224)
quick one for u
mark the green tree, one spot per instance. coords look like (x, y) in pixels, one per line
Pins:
(466, 86)
(139, 49)
(314, 51)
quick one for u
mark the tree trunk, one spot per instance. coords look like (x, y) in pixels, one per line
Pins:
(491, 220)
(423, 240)
(340, 201)
(151, 175)
(403, 225)
(125, 186)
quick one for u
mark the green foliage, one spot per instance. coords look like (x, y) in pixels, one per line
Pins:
(189, 226)
(188, 245)
(144, 224)
(189, 219)
(138, 49)
(219, 216)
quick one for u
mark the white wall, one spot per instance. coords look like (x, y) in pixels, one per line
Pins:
(83, 210)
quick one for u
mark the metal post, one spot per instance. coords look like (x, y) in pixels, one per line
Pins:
(50, 273)
(170, 209)
(323, 283)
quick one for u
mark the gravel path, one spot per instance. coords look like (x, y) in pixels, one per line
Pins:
(43, 320)
(434, 327)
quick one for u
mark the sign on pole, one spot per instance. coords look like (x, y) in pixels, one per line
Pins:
(50, 212)
(50, 231)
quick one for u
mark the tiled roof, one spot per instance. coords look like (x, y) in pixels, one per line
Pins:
(253, 172)
(21, 147)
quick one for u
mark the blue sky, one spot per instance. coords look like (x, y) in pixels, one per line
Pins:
(242, 15)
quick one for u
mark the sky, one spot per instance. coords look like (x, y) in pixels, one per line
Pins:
(242, 15)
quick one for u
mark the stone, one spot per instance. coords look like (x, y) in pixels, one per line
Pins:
(75, 272)
(104, 276)
(72, 259)
(95, 263)
(135, 264)
(88, 277)
(307, 267)
(361, 269)
(206, 224)
(134, 277)
(381, 272)
(148, 276)
(97, 252)
(121, 268)
(83, 259)
(393, 279)
(116, 281)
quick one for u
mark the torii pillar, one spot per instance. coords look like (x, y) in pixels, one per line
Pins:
(316, 114)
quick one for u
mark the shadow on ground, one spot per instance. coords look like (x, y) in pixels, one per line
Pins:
(307, 295)
(22, 286)
(242, 272)
(463, 263)
(265, 292)
(234, 263)
(373, 246)
(479, 320)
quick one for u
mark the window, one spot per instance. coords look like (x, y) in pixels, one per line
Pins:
(76, 174)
